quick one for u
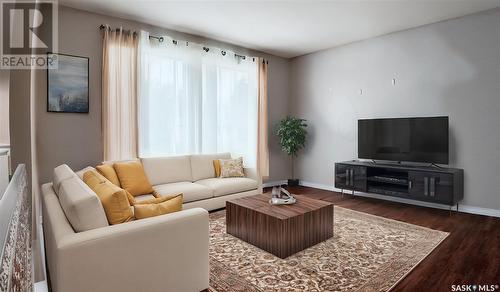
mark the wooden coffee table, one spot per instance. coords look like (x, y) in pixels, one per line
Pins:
(281, 230)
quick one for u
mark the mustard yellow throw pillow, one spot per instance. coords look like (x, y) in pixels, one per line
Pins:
(156, 200)
(133, 178)
(109, 172)
(164, 205)
(217, 167)
(114, 199)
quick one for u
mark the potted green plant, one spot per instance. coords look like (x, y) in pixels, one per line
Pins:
(292, 137)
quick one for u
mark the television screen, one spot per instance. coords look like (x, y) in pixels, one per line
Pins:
(404, 139)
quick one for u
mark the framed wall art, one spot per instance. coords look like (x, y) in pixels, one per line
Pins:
(67, 84)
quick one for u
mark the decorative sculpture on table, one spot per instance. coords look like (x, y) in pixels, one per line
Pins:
(280, 196)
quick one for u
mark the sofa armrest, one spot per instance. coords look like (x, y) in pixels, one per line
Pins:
(163, 253)
(252, 173)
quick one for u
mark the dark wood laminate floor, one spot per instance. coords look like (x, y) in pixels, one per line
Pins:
(470, 254)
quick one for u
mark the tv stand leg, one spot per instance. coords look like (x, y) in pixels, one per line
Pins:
(452, 207)
(347, 192)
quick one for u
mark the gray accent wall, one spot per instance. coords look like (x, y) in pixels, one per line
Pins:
(20, 119)
(75, 139)
(449, 68)
(4, 107)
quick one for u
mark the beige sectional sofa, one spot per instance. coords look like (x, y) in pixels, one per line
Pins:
(163, 253)
(194, 176)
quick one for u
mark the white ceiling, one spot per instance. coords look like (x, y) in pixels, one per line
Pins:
(286, 28)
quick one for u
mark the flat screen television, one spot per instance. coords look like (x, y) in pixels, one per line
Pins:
(404, 139)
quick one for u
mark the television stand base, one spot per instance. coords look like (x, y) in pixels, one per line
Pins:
(342, 193)
(437, 166)
(433, 183)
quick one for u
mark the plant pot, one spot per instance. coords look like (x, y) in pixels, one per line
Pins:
(293, 182)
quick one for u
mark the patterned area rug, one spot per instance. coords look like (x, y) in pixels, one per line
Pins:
(367, 253)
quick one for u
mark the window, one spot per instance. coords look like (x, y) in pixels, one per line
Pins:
(192, 102)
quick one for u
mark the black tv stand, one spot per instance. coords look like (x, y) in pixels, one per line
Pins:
(435, 165)
(423, 183)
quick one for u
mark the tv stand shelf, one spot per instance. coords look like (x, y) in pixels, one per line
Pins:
(422, 183)
(388, 180)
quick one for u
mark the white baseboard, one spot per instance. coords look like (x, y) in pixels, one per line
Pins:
(461, 208)
(479, 210)
(318, 186)
(274, 183)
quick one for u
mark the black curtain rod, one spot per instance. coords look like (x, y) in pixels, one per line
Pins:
(102, 27)
(161, 39)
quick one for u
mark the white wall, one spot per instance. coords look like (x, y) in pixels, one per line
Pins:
(450, 68)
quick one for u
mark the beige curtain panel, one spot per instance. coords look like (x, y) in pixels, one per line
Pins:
(119, 94)
(263, 147)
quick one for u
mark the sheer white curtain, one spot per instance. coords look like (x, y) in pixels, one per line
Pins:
(194, 101)
(169, 99)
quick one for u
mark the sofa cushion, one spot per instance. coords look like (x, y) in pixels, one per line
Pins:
(230, 185)
(81, 172)
(141, 198)
(217, 167)
(191, 191)
(61, 173)
(109, 173)
(164, 170)
(231, 167)
(81, 205)
(203, 165)
(133, 178)
(155, 200)
(163, 206)
(113, 198)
